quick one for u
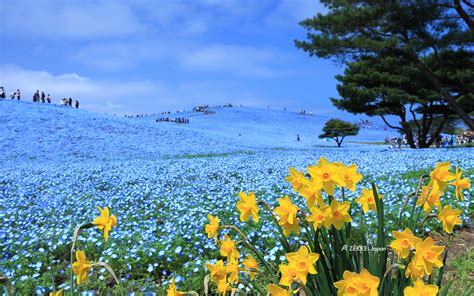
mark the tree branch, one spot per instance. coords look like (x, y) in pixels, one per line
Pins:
(463, 14)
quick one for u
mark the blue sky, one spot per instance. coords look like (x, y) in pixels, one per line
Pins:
(150, 56)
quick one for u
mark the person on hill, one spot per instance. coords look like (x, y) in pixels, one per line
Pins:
(77, 104)
(2, 93)
(48, 99)
(297, 137)
(42, 97)
(18, 94)
(70, 101)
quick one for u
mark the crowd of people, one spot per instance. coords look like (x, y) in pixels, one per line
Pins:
(38, 97)
(177, 119)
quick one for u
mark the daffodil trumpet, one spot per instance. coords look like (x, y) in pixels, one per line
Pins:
(73, 247)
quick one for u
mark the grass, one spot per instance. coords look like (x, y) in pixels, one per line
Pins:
(367, 143)
(462, 273)
(208, 155)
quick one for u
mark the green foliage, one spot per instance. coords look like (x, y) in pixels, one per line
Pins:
(409, 30)
(337, 130)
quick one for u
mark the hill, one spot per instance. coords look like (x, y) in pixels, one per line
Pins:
(36, 130)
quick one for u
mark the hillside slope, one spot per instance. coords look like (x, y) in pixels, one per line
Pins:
(36, 130)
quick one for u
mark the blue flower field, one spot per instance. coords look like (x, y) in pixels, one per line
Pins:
(161, 179)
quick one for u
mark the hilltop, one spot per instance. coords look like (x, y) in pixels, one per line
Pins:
(36, 130)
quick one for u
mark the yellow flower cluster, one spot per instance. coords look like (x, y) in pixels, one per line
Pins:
(299, 265)
(426, 253)
(353, 283)
(430, 196)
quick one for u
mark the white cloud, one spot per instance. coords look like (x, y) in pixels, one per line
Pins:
(235, 59)
(291, 12)
(125, 96)
(103, 95)
(74, 19)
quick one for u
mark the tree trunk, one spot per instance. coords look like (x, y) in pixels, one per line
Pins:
(444, 93)
(463, 14)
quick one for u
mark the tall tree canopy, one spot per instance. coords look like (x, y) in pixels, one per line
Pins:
(387, 85)
(413, 30)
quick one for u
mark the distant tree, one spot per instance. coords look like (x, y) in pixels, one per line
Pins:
(337, 130)
(410, 30)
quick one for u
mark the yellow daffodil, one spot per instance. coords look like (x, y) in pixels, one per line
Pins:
(274, 290)
(58, 293)
(228, 248)
(247, 205)
(328, 173)
(223, 287)
(460, 184)
(289, 228)
(404, 242)
(296, 179)
(303, 260)
(286, 211)
(81, 268)
(449, 217)
(441, 176)
(213, 227)
(338, 214)
(218, 271)
(428, 254)
(105, 222)
(250, 263)
(414, 271)
(290, 274)
(367, 200)
(429, 198)
(358, 284)
(350, 177)
(233, 270)
(318, 216)
(420, 289)
(311, 192)
(172, 290)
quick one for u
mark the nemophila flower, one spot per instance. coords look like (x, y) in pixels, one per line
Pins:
(441, 176)
(429, 198)
(328, 173)
(290, 274)
(318, 216)
(172, 290)
(218, 271)
(367, 200)
(275, 290)
(286, 211)
(337, 214)
(81, 268)
(303, 260)
(213, 227)
(428, 254)
(311, 192)
(449, 217)
(250, 263)
(350, 177)
(247, 205)
(296, 179)
(105, 222)
(58, 293)
(414, 271)
(404, 242)
(460, 184)
(353, 284)
(420, 289)
(228, 248)
(289, 228)
(233, 270)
